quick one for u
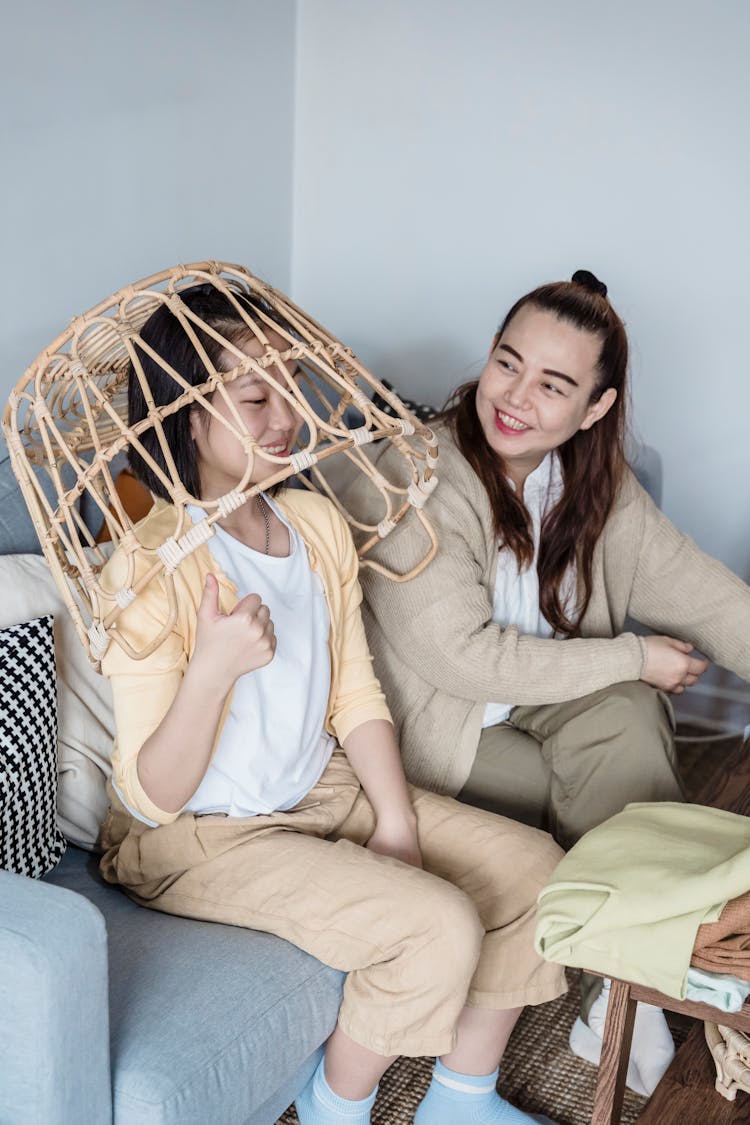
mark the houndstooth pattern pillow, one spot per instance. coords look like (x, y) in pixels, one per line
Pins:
(30, 842)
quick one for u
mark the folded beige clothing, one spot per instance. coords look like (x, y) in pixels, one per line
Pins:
(724, 946)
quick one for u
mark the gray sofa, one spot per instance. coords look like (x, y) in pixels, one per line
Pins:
(113, 1013)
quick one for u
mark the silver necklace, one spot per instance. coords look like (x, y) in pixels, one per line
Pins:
(264, 512)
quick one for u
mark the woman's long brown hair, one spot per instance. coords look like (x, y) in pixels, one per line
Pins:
(593, 460)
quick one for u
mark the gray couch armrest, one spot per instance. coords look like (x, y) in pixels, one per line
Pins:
(54, 1011)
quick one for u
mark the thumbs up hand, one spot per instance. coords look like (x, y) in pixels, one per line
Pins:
(230, 644)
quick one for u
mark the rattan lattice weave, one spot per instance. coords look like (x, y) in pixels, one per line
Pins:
(66, 425)
(730, 1049)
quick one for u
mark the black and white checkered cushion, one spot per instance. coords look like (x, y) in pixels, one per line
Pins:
(30, 842)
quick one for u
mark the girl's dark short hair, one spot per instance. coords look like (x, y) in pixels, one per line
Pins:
(164, 334)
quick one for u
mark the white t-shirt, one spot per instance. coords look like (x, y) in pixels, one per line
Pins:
(516, 597)
(273, 747)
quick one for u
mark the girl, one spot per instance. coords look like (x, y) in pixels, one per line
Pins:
(509, 671)
(256, 776)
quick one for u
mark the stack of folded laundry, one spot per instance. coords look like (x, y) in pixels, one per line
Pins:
(723, 946)
(636, 894)
(658, 895)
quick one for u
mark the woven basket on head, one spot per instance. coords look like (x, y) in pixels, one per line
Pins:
(67, 429)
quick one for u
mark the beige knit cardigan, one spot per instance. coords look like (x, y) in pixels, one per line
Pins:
(440, 657)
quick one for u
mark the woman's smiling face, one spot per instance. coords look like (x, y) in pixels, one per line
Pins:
(538, 388)
(268, 417)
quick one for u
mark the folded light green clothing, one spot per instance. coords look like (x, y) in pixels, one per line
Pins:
(628, 898)
(727, 993)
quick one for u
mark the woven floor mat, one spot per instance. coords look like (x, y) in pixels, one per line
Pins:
(538, 1074)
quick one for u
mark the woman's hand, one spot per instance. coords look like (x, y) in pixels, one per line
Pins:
(670, 666)
(397, 838)
(228, 645)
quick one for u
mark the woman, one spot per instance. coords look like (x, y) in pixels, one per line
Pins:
(256, 776)
(510, 673)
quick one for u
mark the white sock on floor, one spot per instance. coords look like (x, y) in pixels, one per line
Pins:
(652, 1048)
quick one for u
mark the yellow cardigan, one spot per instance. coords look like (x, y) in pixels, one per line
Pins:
(143, 690)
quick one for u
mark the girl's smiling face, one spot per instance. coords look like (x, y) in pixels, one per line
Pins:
(268, 417)
(538, 388)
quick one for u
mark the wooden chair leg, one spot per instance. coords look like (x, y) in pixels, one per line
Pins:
(613, 1067)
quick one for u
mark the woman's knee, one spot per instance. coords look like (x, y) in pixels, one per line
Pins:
(641, 704)
(639, 712)
(641, 716)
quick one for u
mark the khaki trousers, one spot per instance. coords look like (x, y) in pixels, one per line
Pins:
(567, 767)
(417, 945)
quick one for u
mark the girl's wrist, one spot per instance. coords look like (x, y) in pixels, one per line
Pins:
(398, 818)
(204, 676)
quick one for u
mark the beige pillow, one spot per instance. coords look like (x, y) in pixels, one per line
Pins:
(85, 725)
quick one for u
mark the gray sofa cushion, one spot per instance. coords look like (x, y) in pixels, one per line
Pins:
(207, 1021)
(17, 534)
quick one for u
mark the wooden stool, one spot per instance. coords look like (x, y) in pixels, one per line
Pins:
(686, 1095)
(618, 1032)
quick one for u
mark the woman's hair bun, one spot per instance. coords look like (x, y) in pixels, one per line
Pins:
(590, 281)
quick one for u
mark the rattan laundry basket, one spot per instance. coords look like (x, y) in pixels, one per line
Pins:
(731, 1055)
(66, 425)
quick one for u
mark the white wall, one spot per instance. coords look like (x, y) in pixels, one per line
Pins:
(452, 155)
(448, 156)
(136, 136)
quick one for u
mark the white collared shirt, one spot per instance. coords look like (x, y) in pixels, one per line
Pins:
(516, 597)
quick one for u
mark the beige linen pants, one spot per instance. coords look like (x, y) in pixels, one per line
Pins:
(417, 945)
(567, 767)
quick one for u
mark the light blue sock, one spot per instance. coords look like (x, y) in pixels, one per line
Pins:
(319, 1105)
(468, 1099)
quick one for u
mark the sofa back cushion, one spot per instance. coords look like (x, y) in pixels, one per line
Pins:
(84, 701)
